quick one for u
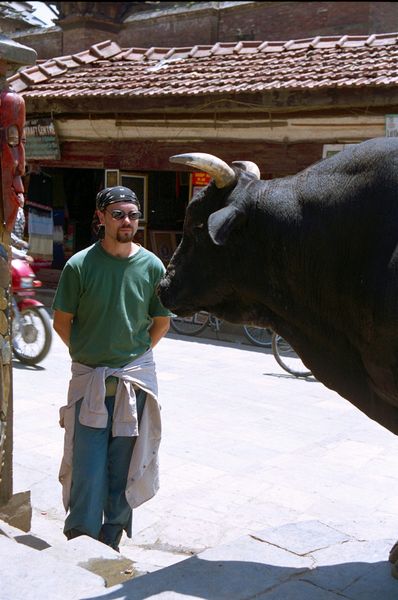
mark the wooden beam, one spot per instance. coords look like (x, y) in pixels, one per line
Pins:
(272, 159)
(298, 101)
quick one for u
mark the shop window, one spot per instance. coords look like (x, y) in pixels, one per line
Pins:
(111, 177)
(139, 184)
(168, 199)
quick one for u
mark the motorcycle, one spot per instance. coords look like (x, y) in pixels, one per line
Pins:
(31, 325)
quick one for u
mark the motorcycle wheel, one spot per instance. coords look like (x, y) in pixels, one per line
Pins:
(32, 335)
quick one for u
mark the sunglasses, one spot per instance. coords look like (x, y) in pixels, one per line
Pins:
(118, 214)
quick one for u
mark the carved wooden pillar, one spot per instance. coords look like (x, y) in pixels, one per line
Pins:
(12, 164)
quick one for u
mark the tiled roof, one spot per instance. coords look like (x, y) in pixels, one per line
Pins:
(106, 70)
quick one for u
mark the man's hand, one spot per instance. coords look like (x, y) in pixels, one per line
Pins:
(158, 329)
(62, 324)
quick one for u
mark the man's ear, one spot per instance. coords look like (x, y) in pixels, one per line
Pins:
(223, 222)
(100, 216)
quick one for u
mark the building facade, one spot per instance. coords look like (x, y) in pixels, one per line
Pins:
(177, 24)
(112, 115)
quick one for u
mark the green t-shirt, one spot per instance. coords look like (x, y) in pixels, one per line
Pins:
(113, 301)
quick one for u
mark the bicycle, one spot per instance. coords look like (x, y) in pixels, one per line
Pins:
(287, 358)
(283, 353)
(195, 324)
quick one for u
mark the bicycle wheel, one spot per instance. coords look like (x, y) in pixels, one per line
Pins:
(259, 336)
(287, 358)
(190, 325)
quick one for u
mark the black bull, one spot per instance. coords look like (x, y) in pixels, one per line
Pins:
(313, 256)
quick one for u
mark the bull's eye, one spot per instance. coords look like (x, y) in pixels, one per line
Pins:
(199, 226)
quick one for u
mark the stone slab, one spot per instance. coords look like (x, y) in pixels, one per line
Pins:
(356, 566)
(302, 538)
(236, 571)
(300, 590)
(249, 568)
(95, 557)
(80, 550)
(28, 574)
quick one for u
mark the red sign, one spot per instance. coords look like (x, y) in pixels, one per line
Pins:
(200, 179)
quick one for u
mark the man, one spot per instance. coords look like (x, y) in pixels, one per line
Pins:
(18, 231)
(108, 314)
(19, 247)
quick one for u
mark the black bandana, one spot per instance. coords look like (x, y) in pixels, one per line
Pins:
(115, 194)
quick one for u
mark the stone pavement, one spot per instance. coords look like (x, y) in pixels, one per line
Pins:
(271, 488)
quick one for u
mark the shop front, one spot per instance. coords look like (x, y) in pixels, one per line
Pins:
(107, 116)
(60, 206)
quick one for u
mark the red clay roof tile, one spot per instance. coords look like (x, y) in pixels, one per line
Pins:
(248, 66)
(67, 61)
(17, 84)
(85, 57)
(33, 75)
(52, 68)
(105, 49)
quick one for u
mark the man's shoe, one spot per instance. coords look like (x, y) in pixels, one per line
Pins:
(394, 570)
(393, 556)
(73, 533)
(114, 545)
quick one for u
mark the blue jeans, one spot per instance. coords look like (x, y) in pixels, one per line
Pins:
(98, 505)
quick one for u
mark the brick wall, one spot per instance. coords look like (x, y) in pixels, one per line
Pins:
(172, 30)
(274, 160)
(262, 21)
(254, 20)
(82, 36)
(47, 43)
(290, 20)
(383, 17)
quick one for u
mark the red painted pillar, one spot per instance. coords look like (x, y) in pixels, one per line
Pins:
(12, 165)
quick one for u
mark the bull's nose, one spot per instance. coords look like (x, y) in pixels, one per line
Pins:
(163, 283)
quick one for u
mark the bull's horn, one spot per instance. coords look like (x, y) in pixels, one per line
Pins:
(248, 166)
(222, 173)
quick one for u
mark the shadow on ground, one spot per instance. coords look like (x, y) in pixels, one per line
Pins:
(238, 580)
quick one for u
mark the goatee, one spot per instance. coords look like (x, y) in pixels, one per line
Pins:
(125, 237)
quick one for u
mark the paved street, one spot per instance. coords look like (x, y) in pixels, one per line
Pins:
(262, 475)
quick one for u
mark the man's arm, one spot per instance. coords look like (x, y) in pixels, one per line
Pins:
(62, 324)
(20, 254)
(158, 329)
(18, 242)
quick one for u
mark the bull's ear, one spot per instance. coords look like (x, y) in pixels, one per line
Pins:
(223, 222)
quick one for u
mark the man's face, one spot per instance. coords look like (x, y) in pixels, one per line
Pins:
(121, 230)
(12, 122)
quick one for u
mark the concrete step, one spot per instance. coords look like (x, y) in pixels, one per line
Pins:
(307, 559)
(32, 569)
(29, 574)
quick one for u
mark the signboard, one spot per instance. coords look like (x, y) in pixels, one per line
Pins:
(391, 125)
(198, 179)
(331, 149)
(41, 140)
